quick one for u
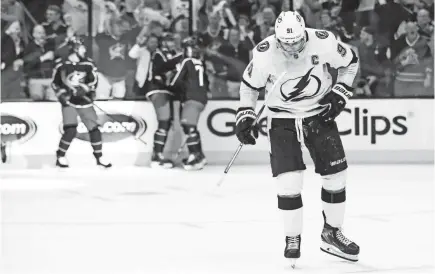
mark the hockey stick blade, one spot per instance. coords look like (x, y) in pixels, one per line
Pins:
(115, 120)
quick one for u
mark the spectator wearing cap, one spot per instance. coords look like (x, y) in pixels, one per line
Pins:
(38, 65)
(413, 63)
(12, 48)
(375, 73)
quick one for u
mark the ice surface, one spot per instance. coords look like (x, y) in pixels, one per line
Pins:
(141, 220)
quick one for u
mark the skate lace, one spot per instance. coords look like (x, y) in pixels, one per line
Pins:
(343, 238)
(293, 242)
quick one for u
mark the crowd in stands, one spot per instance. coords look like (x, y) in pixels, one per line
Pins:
(393, 39)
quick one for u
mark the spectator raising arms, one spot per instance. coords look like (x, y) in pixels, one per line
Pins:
(12, 48)
(38, 65)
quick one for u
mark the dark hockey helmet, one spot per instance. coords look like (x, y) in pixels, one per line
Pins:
(76, 45)
(191, 47)
(168, 42)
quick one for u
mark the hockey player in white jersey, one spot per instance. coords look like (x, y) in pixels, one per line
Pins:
(302, 103)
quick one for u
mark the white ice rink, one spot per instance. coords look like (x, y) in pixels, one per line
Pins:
(139, 220)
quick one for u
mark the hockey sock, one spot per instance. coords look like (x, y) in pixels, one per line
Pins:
(96, 142)
(193, 138)
(291, 209)
(161, 135)
(69, 133)
(334, 204)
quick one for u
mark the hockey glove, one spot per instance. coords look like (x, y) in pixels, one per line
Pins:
(335, 101)
(80, 90)
(63, 98)
(246, 132)
(91, 95)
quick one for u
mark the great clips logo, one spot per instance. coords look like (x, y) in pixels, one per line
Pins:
(373, 126)
(16, 129)
(221, 123)
(114, 128)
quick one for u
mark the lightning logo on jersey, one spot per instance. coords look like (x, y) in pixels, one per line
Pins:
(301, 87)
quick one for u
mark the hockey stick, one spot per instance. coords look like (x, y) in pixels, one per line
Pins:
(183, 145)
(239, 148)
(115, 120)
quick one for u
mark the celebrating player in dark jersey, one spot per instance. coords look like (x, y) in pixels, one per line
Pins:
(192, 83)
(163, 61)
(74, 81)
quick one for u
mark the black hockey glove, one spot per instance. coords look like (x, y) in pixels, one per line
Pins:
(91, 95)
(81, 90)
(64, 98)
(335, 101)
(246, 132)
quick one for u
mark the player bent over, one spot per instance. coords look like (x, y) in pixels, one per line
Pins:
(74, 81)
(192, 83)
(302, 108)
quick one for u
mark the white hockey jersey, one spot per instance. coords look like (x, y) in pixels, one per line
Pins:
(296, 84)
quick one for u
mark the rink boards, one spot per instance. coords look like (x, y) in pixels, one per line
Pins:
(373, 131)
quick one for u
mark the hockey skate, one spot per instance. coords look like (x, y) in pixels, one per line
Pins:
(62, 162)
(195, 161)
(102, 162)
(335, 243)
(159, 161)
(292, 249)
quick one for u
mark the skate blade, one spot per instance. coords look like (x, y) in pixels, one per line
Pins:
(104, 167)
(161, 166)
(197, 166)
(293, 263)
(332, 250)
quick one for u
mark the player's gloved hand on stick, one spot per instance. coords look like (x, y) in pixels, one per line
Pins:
(64, 99)
(91, 95)
(246, 132)
(335, 101)
(81, 90)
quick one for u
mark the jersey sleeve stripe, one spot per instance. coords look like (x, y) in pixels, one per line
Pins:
(178, 72)
(250, 86)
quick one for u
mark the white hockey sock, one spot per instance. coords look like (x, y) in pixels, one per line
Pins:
(334, 204)
(291, 210)
(334, 213)
(292, 221)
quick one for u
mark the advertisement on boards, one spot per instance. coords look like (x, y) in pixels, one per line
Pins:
(363, 125)
(370, 126)
(35, 128)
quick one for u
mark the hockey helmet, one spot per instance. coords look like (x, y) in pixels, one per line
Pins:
(192, 47)
(290, 32)
(76, 45)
